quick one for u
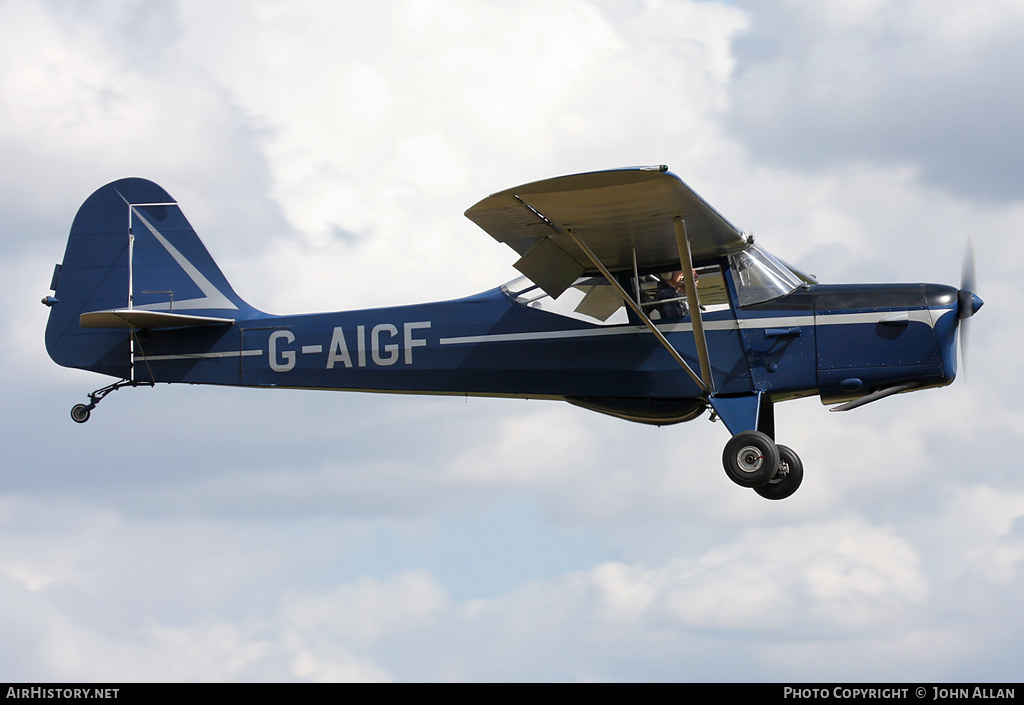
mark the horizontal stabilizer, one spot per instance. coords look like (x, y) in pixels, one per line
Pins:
(135, 318)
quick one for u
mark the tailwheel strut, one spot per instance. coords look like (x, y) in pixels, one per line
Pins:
(80, 413)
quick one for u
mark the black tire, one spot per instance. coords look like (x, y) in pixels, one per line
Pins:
(80, 413)
(787, 480)
(751, 459)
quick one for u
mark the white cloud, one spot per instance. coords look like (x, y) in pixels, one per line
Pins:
(168, 600)
(369, 608)
(377, 146)
(920, 83)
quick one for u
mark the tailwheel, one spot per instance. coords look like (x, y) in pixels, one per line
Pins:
(751, 459)
(788, 478)
(80, 413)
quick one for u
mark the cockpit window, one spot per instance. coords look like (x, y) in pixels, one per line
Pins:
(760, 277)
(757, 274)
(594, 300)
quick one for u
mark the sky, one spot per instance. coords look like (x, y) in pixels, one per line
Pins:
(325, 153)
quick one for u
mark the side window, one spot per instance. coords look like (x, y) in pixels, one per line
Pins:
(590, 299)
(711, 292)
(594, 300)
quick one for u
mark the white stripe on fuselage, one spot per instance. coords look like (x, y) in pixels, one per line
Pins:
(827, 319)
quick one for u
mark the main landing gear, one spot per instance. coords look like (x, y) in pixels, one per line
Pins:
(752, 459)
(80, 413)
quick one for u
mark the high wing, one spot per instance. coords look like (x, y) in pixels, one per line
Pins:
(612, 221)
(624, 216)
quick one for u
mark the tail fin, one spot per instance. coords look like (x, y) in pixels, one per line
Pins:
(130, 248)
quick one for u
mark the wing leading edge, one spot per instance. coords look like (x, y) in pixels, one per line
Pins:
(624, 216)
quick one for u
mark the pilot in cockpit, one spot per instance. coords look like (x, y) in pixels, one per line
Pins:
(672, 293)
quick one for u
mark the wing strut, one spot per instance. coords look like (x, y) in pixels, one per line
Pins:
(686, 261)
(643, 316)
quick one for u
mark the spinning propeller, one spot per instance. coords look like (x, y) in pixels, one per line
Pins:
(968, 302)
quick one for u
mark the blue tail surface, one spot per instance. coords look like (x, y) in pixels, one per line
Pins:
(130, 247)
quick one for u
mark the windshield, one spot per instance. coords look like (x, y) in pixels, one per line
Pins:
(760, 277)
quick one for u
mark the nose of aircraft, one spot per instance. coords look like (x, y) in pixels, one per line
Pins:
(968, 303)
(976, 303)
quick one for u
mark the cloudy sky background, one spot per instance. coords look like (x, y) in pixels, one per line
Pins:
(325, 152)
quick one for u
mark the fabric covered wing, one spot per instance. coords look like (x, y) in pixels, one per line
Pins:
(616, 213)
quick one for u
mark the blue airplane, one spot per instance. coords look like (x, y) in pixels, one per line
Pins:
(637, 299)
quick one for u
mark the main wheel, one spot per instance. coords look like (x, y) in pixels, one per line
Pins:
(788, 478)
(751, 458)
(80, 413)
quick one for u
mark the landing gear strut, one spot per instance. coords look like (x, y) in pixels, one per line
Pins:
(752, 459)
(80, 413)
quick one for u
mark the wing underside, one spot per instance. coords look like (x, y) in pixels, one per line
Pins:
(624, 216)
